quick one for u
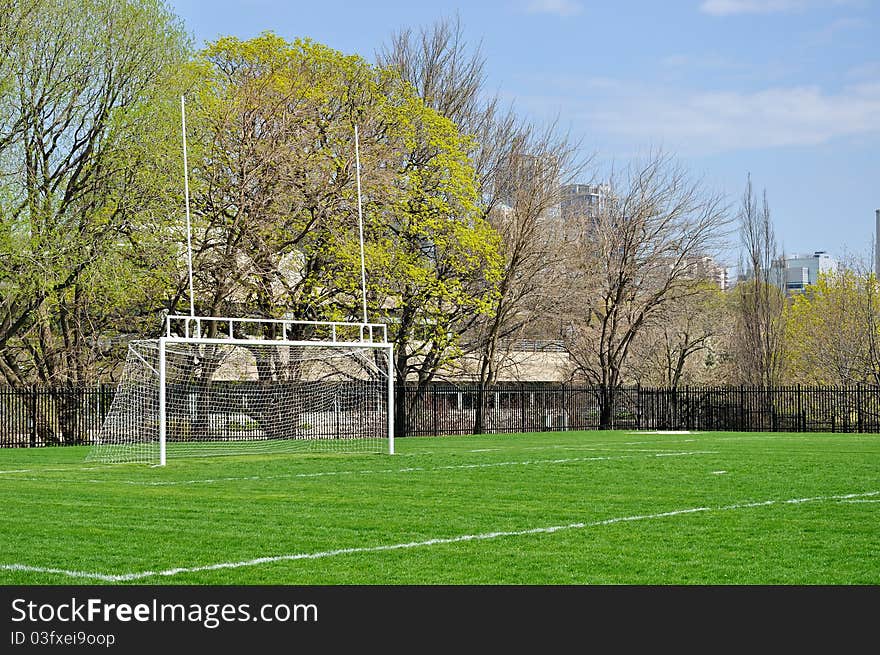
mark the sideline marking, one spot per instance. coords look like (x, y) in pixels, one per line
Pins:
(62, 470)
(409, 469)
(127, 577)
(662, 432)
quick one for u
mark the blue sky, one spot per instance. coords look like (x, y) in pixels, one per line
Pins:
(787, 90)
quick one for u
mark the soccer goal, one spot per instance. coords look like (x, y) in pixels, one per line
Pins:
(233, 386)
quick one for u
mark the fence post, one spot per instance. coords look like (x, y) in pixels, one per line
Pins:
(522, 407)
(774, 423)
(33, 415)
(434, 406)
(687, 407)
(859, 406)
(639, 406)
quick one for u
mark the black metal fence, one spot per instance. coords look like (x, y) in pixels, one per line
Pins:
(40, 416)
(452, 409)
(36, 416)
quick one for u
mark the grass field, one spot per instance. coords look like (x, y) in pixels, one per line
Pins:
(554, 508)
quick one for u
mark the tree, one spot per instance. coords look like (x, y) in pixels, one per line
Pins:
(757, 346)
(680, 346)
(526, 215)
(74, 77)
(274, 198)
(639, 252)
(831, 329)
(519, 169)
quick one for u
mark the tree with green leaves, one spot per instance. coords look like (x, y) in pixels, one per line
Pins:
(831, 330)
(75, 79)
(275, 228)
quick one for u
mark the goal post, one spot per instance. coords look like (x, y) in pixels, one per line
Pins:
(255, 386)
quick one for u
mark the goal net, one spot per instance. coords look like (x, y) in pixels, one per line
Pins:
(191, 397)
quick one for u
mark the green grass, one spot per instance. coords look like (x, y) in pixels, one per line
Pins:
(500, 494)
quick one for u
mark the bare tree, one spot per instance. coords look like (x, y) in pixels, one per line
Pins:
(639, 252)
(681, 345)
(526, 215)
(447, 73)
(759, 328)
(519, 168)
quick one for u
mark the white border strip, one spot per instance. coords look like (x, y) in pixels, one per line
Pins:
(321, 474)
(128, 577)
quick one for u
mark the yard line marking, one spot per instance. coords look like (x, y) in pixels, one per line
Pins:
(409, 469)
(63, 470)
(662, 432)
(599, 446)
(128, 577)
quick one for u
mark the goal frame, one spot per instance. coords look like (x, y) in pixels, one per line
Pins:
(370, 335)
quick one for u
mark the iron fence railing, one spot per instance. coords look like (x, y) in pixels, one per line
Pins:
(39, 416)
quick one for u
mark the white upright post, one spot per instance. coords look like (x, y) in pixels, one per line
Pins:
(357, 159)
(162, 423)
(189, 259)
(390, 399)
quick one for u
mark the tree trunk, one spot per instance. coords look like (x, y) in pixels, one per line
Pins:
(606, 408)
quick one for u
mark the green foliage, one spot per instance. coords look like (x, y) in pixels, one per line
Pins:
(79, 77)
(832, 330)
(275, 195)
(94, 245)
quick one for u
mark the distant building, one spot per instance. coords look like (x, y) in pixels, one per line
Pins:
(794, 273)
(578, 209)
(578, 200)
(708, 269)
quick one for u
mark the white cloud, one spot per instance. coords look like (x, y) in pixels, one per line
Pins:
(710, 122)
(733, 7)
(726, 121)
(556, 7)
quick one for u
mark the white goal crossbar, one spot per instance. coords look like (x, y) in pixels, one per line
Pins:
(333, 331)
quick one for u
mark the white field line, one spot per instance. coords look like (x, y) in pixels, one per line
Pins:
(662, 432)
(62, 470)
(609, 445)
(128, 577)
(409, 469)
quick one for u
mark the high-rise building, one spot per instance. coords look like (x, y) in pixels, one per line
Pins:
(708, 269)
(793, 273)
(578, 200)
